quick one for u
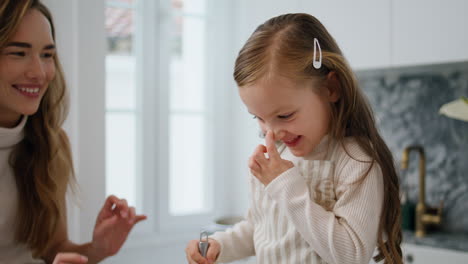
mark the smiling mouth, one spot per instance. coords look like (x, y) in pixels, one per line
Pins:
(28, 91)
(292, 142)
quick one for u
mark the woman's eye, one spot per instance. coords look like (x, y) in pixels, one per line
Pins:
(48, 55)
(18, 53)
(285, 116)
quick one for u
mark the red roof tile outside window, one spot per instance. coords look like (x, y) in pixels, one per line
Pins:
(120, 25)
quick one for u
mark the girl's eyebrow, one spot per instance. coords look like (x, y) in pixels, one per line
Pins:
(27, 45)
(275, 113)
(284, 110)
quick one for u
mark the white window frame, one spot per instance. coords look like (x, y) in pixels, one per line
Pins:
(153, 24)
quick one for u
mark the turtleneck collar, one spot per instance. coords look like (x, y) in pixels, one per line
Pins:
(321, 150)
(12, 136)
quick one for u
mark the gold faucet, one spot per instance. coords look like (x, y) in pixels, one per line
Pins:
(425, 215)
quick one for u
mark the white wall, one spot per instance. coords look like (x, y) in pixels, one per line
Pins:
(81, 47)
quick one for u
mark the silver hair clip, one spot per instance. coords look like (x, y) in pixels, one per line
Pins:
(317, 63)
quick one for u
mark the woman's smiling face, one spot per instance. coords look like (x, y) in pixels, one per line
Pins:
(295, 111)
(26, 68)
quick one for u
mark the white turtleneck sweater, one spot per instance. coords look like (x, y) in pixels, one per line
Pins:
(311, 213)
(10, 252)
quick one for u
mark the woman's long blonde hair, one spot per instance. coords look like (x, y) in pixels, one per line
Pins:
(285, 44)
(42, 161)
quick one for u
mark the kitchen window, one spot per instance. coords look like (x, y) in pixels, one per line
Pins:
(160, 112)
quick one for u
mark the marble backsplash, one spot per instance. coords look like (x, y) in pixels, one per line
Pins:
(406, 103)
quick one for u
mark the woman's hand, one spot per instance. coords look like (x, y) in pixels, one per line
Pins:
(70, 258)
(194, 256)
(267, 169)
(113, 224)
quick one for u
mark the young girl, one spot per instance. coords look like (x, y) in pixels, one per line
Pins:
(328, 193)
(35, 159)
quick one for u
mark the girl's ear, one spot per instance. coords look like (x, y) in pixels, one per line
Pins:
(333, 87)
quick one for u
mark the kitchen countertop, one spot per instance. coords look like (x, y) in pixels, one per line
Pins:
(452, 241)
(435, 239)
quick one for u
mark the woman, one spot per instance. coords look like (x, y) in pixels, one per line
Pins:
(35, 158)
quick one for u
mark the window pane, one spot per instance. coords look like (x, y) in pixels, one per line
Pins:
(120, 100)
(187, 65)
(120, 62)
(190, 6)
(120, 155)
(187, 164)
(119, 29)
(120, 82)
(116, 2)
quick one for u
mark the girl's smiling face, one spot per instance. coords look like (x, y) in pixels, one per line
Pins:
(26, 68)
(297, 113)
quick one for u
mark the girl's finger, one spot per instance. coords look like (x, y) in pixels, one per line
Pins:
(213, 251)
(259, 156)
(271, 147)
(260, 149)
(193, 254)
(253, 165)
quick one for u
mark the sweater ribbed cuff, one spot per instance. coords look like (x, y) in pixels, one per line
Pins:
(285, 183)
(218, 236)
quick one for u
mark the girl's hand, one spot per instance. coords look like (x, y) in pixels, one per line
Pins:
(113, 224)
(267, 169)
(194, 256)
(70, 258)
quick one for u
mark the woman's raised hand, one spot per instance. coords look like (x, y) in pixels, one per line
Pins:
(113, 224)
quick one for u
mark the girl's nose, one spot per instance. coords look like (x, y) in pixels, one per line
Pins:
(279, 135)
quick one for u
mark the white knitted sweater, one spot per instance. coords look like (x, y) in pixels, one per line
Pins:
(312, 213)
(10, 251)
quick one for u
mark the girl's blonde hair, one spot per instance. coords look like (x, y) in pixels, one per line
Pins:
(42, 161)
(284, 45)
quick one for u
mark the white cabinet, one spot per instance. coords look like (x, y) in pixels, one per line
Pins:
(383, 33)
(376, 33)
(414, 254)
(361, 28)
(429, 31)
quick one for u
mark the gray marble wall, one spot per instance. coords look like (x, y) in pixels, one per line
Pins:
(406, 102)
